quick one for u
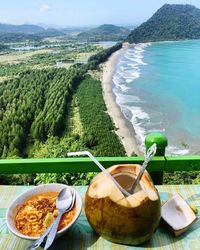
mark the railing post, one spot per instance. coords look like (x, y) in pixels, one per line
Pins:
(161, 143)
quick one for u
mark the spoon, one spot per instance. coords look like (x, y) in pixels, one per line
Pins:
(150, 153)
(64, 202)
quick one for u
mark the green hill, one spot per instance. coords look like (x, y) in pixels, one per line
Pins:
(21, 33)
(105, 32)
(25, 28)
(170, 22)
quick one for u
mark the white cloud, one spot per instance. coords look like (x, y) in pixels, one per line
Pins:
(45, 7)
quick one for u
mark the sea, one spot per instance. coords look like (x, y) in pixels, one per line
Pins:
(157, 87)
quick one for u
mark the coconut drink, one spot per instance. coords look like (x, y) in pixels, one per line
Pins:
(122, 203)
(128, 220)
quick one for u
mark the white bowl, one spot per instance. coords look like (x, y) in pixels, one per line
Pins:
(17, 203)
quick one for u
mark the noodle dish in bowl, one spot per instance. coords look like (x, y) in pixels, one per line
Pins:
(31, 213)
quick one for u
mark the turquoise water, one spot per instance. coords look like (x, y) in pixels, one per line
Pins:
(158, 89)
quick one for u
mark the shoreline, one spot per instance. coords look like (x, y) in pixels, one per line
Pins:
(123, 127)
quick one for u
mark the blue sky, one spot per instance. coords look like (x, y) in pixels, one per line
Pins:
(81, 12)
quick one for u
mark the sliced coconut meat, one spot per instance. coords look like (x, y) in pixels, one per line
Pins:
(125, 175)
(177, 214)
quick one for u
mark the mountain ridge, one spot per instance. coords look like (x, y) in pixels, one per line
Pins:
(22, 28)
(105, 32)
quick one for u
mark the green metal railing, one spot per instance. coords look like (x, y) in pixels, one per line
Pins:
(159, 163)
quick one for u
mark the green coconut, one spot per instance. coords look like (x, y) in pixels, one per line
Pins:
(126, 220)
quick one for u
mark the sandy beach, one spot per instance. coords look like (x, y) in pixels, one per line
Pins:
(124, 128)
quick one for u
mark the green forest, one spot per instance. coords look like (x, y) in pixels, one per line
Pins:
(48, 112)
(33, 105)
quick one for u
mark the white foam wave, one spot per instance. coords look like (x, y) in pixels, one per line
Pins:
(138, 55)
(133, 65)
(116, 80)
(137, 117)
(120, 73)
(127, 71)
(173, 150)
(119, 84)
(129, 80)
(130, 52)
(135, 74)
(122, 99)
(126, 74)
(138, 113)
(138, 49)
(122, 68)
(123, 88)
(138, 60)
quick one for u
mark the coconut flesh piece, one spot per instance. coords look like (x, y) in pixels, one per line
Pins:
(102, 187)
(127, 220)
(177, 214)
